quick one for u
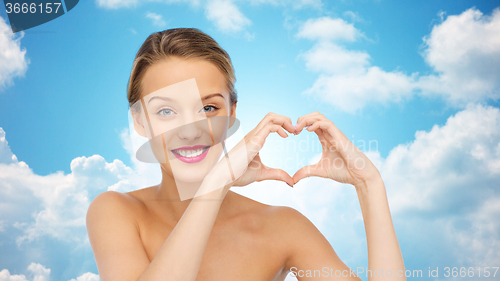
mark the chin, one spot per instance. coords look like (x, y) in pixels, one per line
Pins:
(192, 172)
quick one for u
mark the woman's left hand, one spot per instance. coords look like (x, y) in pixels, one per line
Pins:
(341, 160)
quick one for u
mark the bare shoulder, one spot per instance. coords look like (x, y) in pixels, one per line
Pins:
(111, 200)
(287, 232)
(110, 196)
(291, 225)
(283, 221)
(114, 204)
(114, 236)
(296, 238)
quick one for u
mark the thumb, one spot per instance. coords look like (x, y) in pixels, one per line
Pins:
(306, 171)
(276, 174)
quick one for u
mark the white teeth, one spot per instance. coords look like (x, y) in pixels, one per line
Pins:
(191, 152)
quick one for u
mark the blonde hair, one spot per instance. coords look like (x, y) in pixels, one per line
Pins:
(184, 43)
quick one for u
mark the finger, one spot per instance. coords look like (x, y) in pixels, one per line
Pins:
(290, 120)
(256, 163)
(276, 174)
(331, 132)
(324, 135)
(306, 171)
(312, 114)
(323, 128)
(283, 121)
(256, 142)
(323, 125)
(273, 118)
(324, 138)
(281, 132)
(307, 115)
(306, 122)
(271, 128)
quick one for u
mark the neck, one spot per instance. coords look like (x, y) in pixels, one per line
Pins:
(167, 196)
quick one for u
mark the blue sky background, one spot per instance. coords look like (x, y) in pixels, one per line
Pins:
(63, 111)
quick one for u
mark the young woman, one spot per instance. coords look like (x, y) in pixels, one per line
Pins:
(151, 234)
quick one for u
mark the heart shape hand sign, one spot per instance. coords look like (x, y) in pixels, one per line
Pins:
(341, 160)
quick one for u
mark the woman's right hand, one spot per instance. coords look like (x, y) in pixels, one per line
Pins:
(244, 158)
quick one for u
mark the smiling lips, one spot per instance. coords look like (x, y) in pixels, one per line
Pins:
(191, 154)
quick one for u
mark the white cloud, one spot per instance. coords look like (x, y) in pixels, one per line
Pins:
(226, 16)
(447, 181)
(55, 205)
(331, 58)
(354, 16)
(450, 168)
(116, 4)
(300, 4)
(347, 80)
(353, 91)
(89, 276)
(326, 28)
(156, 19)
(39, 272)
(295, 4)
(465, 52)
(6, 155)
(13, 61)
(62, 200)
(119, 4)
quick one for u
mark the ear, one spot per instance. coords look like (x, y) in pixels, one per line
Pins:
(139, 123)
(233, 114)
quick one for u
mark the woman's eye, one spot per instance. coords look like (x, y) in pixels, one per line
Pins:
(165, 111)
(209, 108)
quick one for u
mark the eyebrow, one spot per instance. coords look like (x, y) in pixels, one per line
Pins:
(213, 95)
(161, 98)
(204, 98)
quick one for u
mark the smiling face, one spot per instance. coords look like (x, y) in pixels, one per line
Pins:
(179, 97)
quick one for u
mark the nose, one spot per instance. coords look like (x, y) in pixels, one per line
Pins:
(192, 129)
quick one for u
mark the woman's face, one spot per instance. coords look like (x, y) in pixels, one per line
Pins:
(180, 97)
